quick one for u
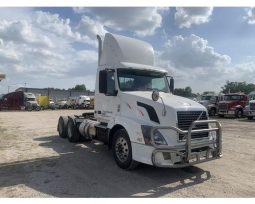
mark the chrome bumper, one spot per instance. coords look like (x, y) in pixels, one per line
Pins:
(189, 157)
(249, 112)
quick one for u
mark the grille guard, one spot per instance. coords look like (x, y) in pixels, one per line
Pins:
(186, 156)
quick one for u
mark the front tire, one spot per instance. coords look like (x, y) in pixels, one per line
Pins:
(213, 112)
(239, 114)
(122, 150)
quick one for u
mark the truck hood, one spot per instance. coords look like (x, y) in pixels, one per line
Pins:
(204, 102)
(170, 100)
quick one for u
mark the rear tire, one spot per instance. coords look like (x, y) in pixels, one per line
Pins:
(62, 126)
(73, 134)
(122, 150)
(249, 117)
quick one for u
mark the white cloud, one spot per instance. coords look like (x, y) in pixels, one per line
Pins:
(141, 21)
(250, 16)
(41, 47)
(186, 16)
(90, 27)
(194, 63)
(192, 52)
(21, 31)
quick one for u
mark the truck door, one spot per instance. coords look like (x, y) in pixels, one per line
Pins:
(108, 98)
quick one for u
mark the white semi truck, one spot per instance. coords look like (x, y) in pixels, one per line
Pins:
(137, 115)
(249, 110)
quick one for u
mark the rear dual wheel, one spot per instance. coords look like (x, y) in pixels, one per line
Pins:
(73, 134)
(62, 126)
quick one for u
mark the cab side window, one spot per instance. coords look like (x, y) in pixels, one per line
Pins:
(110, 83)
(107, 82)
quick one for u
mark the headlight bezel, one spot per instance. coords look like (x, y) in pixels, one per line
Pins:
(159, 140)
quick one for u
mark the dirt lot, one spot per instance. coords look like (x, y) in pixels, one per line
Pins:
(35, 162)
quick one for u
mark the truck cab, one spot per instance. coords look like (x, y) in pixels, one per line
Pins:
(233, 105)
(138, 116)
(83, 101)
(206, 100)
(30, 102)
(249, 111)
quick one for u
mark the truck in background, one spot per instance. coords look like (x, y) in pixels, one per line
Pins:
(71, 102)
(249, 111)
(233, 105)
(82, 102)
(137, 115)
(205, 100)
(45, 102)
(19, 101)
(213, 106)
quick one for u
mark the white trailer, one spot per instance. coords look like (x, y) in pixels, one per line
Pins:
(137, 115)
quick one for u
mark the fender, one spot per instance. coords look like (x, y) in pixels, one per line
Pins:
(238, 107)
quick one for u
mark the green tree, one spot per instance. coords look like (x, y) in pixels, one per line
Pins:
(186, 92)
(234, 87)
(79, 87)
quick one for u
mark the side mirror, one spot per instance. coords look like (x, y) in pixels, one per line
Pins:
(155, 95)
(103, 81)
(171, 85)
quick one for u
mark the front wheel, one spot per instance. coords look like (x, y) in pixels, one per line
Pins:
(122, 150)
(213, 112)
(239, 114)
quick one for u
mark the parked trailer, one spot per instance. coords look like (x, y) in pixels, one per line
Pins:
(137, 115)
(19, 101)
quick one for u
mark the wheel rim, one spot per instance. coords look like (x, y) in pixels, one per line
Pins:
(121, 149)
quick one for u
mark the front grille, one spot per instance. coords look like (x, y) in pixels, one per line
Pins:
(185, 118)
(223, 106)
(252, 106)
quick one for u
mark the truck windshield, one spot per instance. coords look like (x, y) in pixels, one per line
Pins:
(206, 98)
(232, 97)
(252, 97)
(142, 80)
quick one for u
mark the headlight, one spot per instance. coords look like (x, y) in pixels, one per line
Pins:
(157, 136)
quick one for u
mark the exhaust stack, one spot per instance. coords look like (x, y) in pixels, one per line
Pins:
(99, 48)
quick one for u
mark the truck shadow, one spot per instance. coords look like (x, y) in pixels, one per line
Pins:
(88, 170)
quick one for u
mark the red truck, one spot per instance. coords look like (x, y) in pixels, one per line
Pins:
(19, 100)
(233, 105)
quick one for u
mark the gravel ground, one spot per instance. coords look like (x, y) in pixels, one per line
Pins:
(35, 162)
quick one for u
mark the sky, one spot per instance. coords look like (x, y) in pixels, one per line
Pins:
(202, 47)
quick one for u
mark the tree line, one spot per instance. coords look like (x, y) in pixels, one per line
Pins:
(229, 87)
